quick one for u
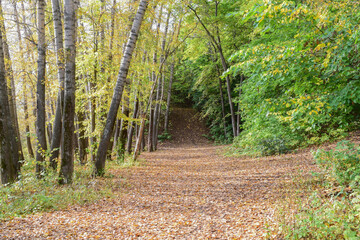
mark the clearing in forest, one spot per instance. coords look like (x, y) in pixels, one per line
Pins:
(185, 190)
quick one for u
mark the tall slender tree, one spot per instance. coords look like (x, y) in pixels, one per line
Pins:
(67, 153)
(40, 90)
(216, 40)
(9, 149)
(11, 83)
(58, 29)
(120, 83)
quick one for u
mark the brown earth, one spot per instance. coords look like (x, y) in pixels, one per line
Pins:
(186, 190)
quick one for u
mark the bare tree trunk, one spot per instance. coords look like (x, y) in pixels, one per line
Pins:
(10, 78)
(56, 140)
(238, 117)
(140, 138)
(156, 113)
(67, 155)
(123, 129)
(116, 99)
(166, 126)
(116, 136)
(222, 106)
(40, 94)
(131, 126)
(228, 88)
(92, 89)
(27, 127)
(9, 144)
(83, 140)
(152, 114)
(160, 90)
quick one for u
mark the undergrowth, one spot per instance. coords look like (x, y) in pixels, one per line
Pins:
(332, 210)
(31, 195)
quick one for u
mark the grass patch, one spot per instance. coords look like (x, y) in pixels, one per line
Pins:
(31, 195)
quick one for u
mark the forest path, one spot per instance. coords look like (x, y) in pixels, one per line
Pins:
(184, 191)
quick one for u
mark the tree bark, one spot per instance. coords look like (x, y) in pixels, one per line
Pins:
(123, 130)
(160, 90)
(166, 126)
(67, 155)
(121, 79)
(140, 138)
(83, 139)
(131, 125)
(238, 117)
(56, 139)
(10, 79)
(27, 128)
(221, 92)
(9, 146)
(40, 94)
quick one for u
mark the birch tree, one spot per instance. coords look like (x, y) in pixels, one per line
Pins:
(120, 83)
(67, 154)
(40, 90)
(56, 139)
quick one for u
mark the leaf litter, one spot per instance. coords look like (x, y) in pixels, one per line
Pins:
(186, 190)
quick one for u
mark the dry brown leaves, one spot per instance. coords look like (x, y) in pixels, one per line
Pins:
(187, 192)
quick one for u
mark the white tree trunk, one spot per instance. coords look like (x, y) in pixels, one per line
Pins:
(120, 83)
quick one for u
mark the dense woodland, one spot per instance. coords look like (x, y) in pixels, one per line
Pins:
(87, 82)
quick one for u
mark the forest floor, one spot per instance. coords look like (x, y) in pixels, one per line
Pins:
(186, 190)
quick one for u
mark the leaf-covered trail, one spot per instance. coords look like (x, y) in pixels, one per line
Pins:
(186, 192)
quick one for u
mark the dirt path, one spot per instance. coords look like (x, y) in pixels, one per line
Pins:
(183, 192)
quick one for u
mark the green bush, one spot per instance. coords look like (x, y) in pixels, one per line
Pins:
(300, 80)
(271, 146)
(164, 136)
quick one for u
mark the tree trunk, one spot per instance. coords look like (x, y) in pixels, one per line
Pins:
(83, 139)
(9, 146)
(238, 117)
(140, 138)
(67, 155)
(40, 94)
(131, 126)
(150, 146)
(123, 130)
(121, 79)
(169, 98)
(93, 142)
(218, 47)
(56, 139)
(27, 128)
(10, 79)
(228, 88)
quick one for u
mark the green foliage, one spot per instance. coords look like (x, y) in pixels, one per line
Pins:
(200, 69)
(164, 136)
(336, 214)
(271, 146)
(302, 73)
(341, 164)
